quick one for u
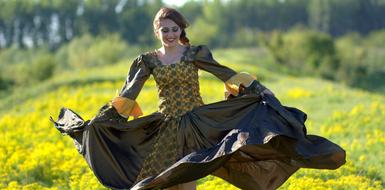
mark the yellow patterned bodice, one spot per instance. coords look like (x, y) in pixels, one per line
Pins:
(178, 87)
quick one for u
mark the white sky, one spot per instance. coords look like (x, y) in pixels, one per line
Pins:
(175, 2)
(181, 2)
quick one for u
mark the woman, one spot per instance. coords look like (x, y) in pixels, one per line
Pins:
(250, 139)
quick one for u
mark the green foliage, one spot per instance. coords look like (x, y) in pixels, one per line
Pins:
(21, 67)
(338, 17)
(273, 41)
(319, 15)
(362, 60)
(88, 51)
(41, 68)
(191, 10)
(202, 32)
(310, 51)
(26, 19)
(376, 39)
(12, 56)
(244, 37)
(4, 83)
(304, 51)
(352, 59)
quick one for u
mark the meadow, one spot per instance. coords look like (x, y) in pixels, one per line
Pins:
(34, 155)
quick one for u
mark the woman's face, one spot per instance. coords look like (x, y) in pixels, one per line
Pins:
(168, 33)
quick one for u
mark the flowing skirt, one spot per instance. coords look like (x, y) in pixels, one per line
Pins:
(253, 142)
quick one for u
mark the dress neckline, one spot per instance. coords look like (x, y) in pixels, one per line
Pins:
(182, 58)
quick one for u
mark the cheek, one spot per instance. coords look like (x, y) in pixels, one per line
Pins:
(163, 37)
(160, 36)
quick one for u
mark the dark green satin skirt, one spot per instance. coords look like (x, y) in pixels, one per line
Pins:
(253, 142)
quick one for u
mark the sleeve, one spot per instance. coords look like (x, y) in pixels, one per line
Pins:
(125, 103)
(233, 80)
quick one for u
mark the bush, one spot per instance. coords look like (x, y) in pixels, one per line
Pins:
(4, 83)
(304, 51)
(362, 60)
(86, 51)
(42, 68)
(12, 56)
(21, 67)
(244, 37)
(196, 35)
(274, 43)
(352, 55)
(357, 61)
(376, 39)
(311, 52)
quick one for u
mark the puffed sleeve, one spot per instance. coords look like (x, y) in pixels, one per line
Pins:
(204, 60)
(125, 103)
(233, 80)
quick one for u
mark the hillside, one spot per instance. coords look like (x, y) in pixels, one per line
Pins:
(34, 155)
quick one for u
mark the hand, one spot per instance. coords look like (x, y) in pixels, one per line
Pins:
(254, 88)
(268, 91)
(108, 112)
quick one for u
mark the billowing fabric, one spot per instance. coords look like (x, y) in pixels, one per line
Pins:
(126, 107)
(251, 140)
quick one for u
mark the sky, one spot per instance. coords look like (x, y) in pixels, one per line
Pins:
(181, 2)
(175, 2)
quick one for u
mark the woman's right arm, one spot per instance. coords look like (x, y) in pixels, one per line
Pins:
(125, 103)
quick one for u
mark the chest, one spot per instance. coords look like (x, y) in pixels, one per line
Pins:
(181, 73)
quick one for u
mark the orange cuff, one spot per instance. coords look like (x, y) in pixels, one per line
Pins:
(127, 107)
(232, 85)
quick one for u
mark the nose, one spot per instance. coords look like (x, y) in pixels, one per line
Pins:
(172, 34)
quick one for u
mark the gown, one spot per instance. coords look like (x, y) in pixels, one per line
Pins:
(250, 140)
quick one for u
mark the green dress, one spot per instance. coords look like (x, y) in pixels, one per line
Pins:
(251, 141)
(178, 91)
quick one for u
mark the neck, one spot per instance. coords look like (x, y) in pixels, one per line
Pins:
(171, 50)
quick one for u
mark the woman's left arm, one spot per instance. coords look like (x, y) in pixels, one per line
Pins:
(234, 82)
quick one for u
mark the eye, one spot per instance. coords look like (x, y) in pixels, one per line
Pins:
(164, 30)
(175, 29)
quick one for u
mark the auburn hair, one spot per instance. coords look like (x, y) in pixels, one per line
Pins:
(174, 15)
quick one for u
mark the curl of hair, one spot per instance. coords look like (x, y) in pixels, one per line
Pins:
(183, 38)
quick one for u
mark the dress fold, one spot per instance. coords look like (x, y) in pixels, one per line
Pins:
(251, 140)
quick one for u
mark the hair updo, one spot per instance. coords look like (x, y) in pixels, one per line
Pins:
(174, 15)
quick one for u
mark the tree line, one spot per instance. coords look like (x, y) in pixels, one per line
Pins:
(26, 23)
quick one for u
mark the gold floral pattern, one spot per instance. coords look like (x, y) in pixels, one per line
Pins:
(164, 152)
(178, 91)
(178, 88)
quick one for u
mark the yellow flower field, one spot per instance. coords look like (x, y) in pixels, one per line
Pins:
(34, 155)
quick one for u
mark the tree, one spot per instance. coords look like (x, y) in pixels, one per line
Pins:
(319, 15)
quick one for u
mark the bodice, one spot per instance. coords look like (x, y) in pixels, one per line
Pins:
(178, 87)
